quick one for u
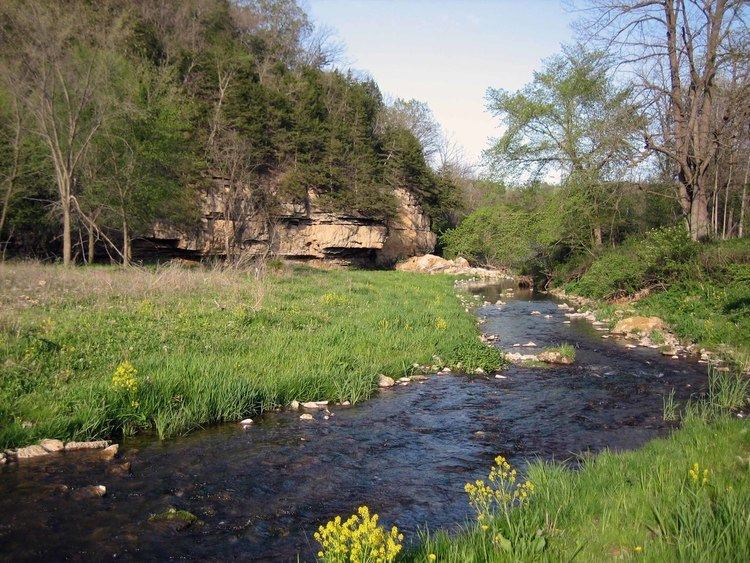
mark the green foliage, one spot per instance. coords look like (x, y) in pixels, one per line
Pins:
(303, 129)
(107, 352)
(658, 258)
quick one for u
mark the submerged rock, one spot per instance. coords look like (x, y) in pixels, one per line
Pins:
(306, 416)
(92, 491)
(175, 519)
(119, 469)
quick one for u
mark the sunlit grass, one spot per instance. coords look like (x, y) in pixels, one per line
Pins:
(209, 345)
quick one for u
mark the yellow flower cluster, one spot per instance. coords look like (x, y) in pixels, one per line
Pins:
(501, 492)
(124, 377)
(441, 323)
(697, 476)
(359, 539)
(334, 299)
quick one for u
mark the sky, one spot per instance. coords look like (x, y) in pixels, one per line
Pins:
(447, 52)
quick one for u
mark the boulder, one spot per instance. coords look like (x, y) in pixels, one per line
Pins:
(93, 445)
(638, 325)
(30, 452)
(385, 381)
(315, 404)
(554, 357)
(52, 445)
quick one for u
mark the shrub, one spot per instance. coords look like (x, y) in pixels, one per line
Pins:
(660, 257)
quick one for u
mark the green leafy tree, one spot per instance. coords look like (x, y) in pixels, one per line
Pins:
(572, 121)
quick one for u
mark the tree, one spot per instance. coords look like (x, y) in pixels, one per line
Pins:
(144, 158)
(62, 83)
(417, 117)
(677, 50)
(571, 121)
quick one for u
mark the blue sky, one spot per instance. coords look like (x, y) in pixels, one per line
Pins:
(447, 52)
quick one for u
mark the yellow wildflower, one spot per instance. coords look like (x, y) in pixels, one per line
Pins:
(124, 377)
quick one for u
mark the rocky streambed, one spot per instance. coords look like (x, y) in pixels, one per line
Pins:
(258, 491)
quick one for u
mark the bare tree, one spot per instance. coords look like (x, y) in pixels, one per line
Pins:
(60, 83)
(677, 50)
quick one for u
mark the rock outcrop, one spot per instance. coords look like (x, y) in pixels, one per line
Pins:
(431, 264)
(304, 231)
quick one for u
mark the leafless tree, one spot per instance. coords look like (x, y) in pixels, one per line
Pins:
(60, 83)
(677, 51)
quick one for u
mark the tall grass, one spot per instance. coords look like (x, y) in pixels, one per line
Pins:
(682, 498)
(210, 345)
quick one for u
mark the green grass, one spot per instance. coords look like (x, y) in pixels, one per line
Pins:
(210, 346)
(701, 291)
(643, 504)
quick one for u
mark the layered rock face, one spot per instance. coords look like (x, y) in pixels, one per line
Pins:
(306, 232)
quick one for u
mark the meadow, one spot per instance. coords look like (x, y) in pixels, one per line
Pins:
(105, 352)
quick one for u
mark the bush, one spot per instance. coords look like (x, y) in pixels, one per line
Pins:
(660, 257)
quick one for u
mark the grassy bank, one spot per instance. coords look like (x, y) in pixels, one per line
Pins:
(682, 498)
(701, 290)
(195, 347)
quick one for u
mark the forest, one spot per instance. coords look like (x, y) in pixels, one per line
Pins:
(117, 115)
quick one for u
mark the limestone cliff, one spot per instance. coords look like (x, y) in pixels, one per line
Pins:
(306, 232)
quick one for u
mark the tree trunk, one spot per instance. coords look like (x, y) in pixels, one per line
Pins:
(67, 242)
(92, 242)
(699, 220)
(744, 199)
(726, 204)
(125, 245)
(598, 235)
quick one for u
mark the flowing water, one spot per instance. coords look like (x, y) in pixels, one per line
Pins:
(407, 453)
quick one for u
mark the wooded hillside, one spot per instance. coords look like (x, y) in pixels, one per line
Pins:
(115, 114)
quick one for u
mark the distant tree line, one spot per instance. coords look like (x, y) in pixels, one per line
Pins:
(116, 115)
(644, 123)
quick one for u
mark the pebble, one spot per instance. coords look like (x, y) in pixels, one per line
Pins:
(246, 422)
(480, 371)
(535, 313)
(306, 416)
(3, 459)
(294, 405)
(498, 376)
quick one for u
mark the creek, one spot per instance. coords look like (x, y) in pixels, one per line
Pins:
(262, 492)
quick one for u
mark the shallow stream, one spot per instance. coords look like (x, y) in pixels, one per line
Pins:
(406, 453)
